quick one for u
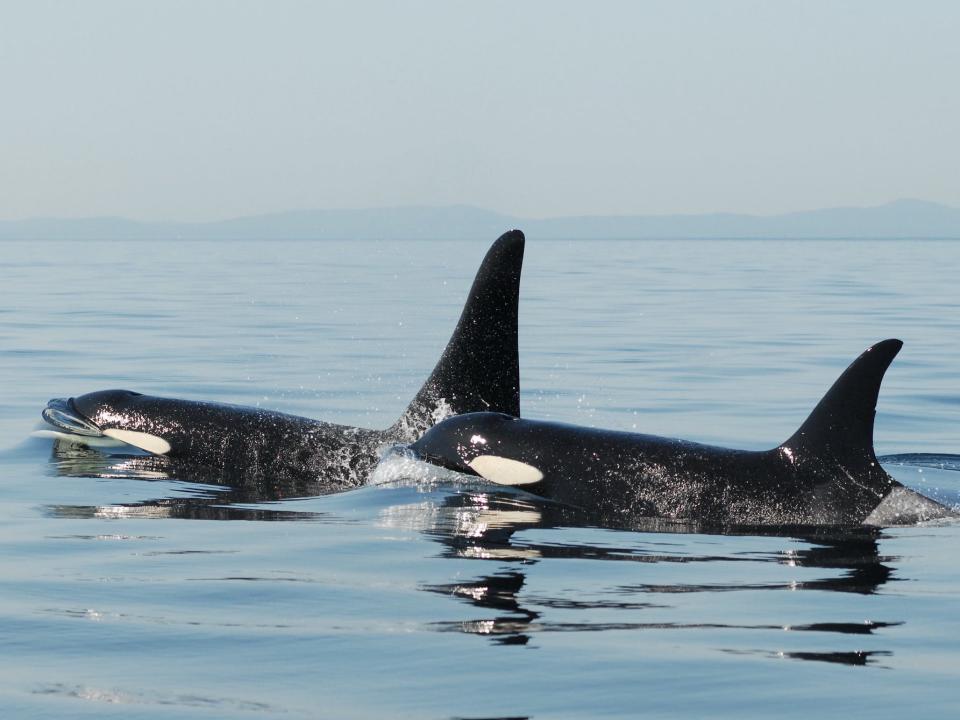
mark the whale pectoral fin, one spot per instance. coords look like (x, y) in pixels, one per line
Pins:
(841, 425)
(480, 368)
(144, 441)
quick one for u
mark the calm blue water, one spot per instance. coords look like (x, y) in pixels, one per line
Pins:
(136, 595)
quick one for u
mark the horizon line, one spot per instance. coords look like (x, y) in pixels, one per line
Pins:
(510, 216)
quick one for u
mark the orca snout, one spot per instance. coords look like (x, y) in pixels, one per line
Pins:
(63, 413)
(85, 414)
(475, 443)
(455, 442)
(119, 415)
(436, 449)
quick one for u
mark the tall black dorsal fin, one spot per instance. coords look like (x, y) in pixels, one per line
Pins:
(841, 425)
(480, 367)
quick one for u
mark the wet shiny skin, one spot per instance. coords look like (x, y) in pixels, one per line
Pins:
(124, 593)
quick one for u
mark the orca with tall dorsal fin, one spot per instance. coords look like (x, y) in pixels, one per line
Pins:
(826, 474)
(478, 371)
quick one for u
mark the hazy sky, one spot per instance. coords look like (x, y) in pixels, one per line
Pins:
(200, 110)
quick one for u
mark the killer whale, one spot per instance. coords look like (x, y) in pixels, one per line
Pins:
(826, 473)
(478, 370)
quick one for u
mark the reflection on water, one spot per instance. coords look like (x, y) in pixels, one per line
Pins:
(512, 530)
(854, 553)
(856, 657)
(217, 499)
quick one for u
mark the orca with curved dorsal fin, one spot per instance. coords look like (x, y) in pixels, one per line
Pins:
(825, 474)
(480, 367)
(478, 371)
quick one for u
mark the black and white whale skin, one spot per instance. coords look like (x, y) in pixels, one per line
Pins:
(479, 370)
(825, 474)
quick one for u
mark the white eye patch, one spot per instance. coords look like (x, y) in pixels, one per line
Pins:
(142, 440)
(505, 471)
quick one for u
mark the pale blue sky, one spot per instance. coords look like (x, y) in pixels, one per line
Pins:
(201, 110)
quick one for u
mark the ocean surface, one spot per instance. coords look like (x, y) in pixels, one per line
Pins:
(130, 594)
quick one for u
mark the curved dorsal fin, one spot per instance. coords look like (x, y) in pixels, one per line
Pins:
(841, 425)
(480, 367)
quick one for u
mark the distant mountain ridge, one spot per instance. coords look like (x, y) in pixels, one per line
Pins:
(899, 219)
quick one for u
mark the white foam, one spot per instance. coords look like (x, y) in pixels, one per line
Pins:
(398, 465)
(903, 506)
